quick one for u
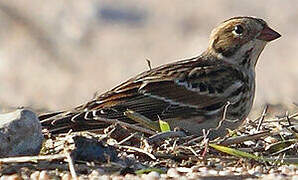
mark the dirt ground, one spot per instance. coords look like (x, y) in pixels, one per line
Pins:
(56, 54)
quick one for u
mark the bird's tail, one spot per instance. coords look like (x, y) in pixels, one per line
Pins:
(64, 121)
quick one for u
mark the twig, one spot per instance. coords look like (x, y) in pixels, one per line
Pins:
(32, 158)
(165, 135)
(284, 149)
(287, 160)
(71, 166)
(223, 116)
(290, 124)
(139, 150)
(240, 139)
(127, 138)
(193, 151)
(149, 64)
(172, 156)
(206, 148)
(199, 138)
(282, 118)
(262, 118)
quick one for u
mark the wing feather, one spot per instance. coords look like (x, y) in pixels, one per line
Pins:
(182, 89)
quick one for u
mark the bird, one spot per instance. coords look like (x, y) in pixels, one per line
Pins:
(211, 92)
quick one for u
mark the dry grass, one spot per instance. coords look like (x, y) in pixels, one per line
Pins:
(261, 147)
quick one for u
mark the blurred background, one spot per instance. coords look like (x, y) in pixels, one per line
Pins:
(56, 54)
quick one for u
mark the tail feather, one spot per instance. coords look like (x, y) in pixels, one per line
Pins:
(63, 121)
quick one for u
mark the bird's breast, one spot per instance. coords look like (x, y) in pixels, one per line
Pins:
(243, 98)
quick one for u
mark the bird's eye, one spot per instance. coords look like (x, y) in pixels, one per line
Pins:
(238, 30)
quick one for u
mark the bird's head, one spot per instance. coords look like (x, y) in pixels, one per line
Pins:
(241, 37)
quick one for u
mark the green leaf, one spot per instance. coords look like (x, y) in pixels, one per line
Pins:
(235, 152)
(148, 170)
(164, 126)
(242, 154)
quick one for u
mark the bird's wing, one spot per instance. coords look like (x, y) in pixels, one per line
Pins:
(171, 91)
(182, 89)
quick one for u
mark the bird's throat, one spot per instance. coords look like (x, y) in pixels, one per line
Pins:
(245, 56)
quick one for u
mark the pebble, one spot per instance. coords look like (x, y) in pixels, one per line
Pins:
(91, 149)
(96, 173)
(117, 177)
(132, 177)
(213, 172)
(44, 175)
(11, 177)
(35, 175)
(154, 175)
(254, 172)
(105, 177)
(183, 178)
(203, 169)
(20, 133)
(271, 171)
(259, 169)
(238, 169)
(66, 176)
(193, 176)
(219, 167)
(172, 172)
(269, 177)
(163, 176)
(225, 173)
(183, 169)
(194, 169)
(270, 140)
(249, 143)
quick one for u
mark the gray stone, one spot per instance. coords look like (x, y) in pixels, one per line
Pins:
(20, 133)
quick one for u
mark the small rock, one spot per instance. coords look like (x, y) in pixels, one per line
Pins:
(183, 169)
(259, 169)
(66, 176)
(270, 177)
(193, 176)
(105, 177)
(151, 176)
(173, 173)
(195, 169)
(204, 171)
(286, 170)
(225, 173)
(20, 133)
(44, 175)
(131, 177)
(87, 149)
(213, 172)
(219, 167)
(96, 173)
(11, 177)
(117, 178)
(35, 175)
